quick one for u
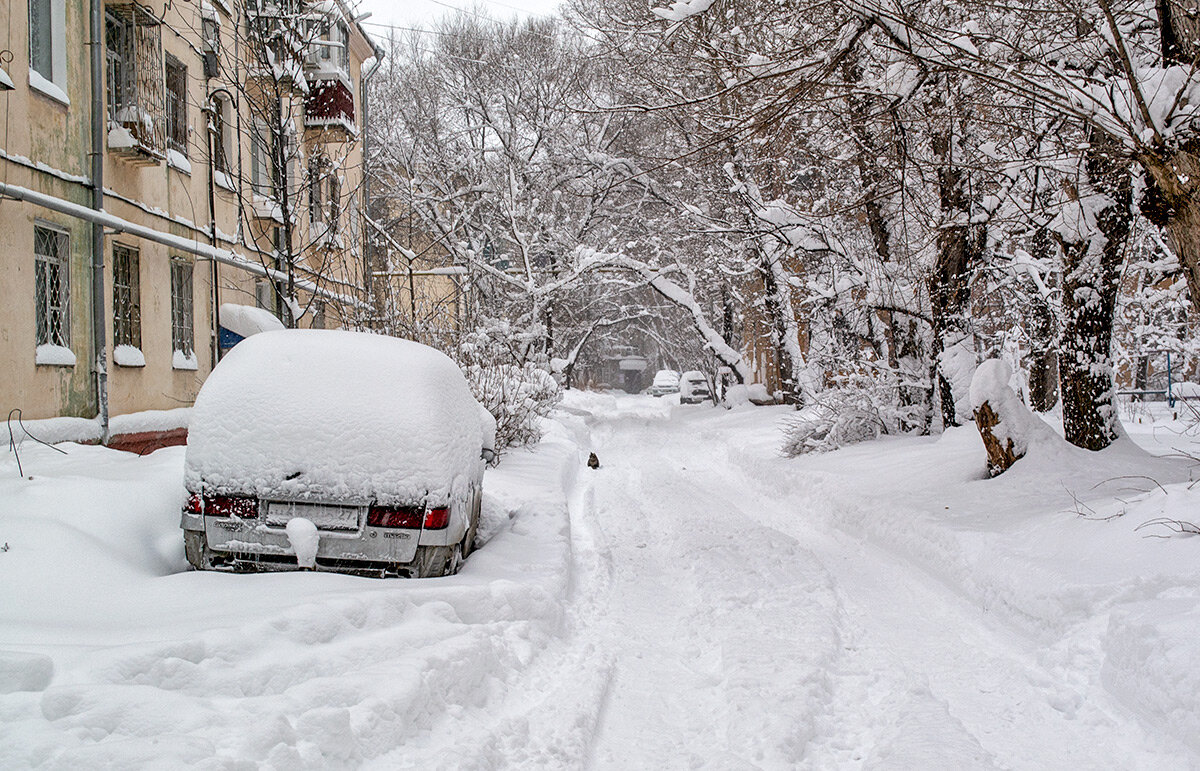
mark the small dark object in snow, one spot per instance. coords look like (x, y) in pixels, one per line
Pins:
(593, 461)
(4, 547)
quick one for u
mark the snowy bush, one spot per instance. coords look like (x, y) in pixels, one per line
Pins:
(857, 410)
(518, 394)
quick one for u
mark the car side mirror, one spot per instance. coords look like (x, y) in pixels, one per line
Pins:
(488, 454)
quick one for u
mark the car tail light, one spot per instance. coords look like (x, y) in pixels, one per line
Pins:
(230, 506)
(437, 519)
(194, 504)
(395, 516)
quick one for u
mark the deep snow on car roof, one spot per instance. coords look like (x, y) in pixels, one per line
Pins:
(335, 415)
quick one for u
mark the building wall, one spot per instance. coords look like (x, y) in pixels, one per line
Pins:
(46, 148)
(40, 129)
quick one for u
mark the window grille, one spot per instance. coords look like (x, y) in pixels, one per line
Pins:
(127, 311)
(52, 286)
(182, 337)
(176, 83)
(41, 46)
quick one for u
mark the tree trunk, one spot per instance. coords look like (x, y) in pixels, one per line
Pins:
(1172, 201)
(1043, 356)
(778, 309)
(1091, 278)
(960, 245)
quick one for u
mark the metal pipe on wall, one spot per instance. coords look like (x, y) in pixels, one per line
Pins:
(99, 319)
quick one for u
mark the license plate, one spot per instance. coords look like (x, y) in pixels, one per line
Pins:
(325, 516)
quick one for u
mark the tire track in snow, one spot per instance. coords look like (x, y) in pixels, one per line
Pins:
(721, 628)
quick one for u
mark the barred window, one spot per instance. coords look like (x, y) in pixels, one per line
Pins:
(52, 286)
(176, 105)
(181, 306)
(127, 310)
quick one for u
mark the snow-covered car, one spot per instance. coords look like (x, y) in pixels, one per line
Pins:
(666, 381)
(334, 450)
(694, 388)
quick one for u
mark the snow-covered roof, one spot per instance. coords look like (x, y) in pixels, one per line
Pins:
(331, 414)
(247, 320)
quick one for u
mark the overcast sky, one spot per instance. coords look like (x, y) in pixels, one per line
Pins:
(415, 13)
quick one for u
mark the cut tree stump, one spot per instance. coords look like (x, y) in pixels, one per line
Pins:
(999, 456)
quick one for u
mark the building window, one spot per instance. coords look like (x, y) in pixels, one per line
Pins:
(211, 31)
(176, 105)
(52, 286)
(118, 55)
(262, 164)
(220, 140)
(41, 38)
(182, 337)
(127, 309)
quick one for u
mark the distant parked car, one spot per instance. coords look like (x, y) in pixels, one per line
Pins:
(694, 388)
(666, 381)
(334, 450)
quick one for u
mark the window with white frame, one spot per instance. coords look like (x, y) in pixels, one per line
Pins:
(221, 125)
(262, 161)
(48, 48)
(52, 286)
(127, 309)
(182, 334)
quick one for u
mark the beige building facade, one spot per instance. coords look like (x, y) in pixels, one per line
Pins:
(232, 175)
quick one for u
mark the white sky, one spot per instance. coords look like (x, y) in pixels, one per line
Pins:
(417, 13)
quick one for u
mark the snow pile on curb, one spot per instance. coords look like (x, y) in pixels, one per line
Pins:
(114, 656)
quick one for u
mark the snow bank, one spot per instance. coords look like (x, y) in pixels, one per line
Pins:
(742, 395)
(113, 657)
(150, 420)
(247, 320)
(295, 413)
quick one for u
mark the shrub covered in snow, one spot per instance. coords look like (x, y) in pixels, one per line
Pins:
(857, 410)
(517, 393)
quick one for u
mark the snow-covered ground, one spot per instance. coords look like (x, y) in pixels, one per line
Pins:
(697, 601)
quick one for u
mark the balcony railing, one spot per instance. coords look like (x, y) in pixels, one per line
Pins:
(134, 83)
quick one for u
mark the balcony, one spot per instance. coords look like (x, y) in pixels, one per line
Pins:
(134, 87)
(329, 106)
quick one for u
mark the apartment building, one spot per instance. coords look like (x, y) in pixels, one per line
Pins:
(199, 156)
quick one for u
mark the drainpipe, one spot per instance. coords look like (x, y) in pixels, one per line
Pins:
(213, 143)
(368, 280)
(99, 319)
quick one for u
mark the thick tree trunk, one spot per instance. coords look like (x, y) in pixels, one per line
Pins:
(778, 316)
(1091, 278)
(1172, 202)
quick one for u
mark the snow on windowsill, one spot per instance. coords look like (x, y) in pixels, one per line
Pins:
(5, 80)
(48, 87)
(179, 162)
(222, 180)
(129, 356)
(266, 208)
(51, 355)
(184, 361)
